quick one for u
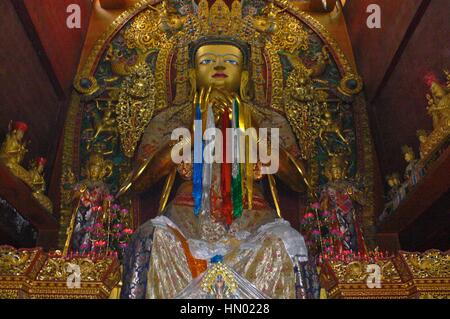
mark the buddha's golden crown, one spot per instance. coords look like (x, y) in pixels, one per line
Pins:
(219, 20)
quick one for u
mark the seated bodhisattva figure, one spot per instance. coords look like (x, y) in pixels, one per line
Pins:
(14, 149)
(218, 237)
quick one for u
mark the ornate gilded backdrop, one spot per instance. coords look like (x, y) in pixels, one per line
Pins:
(136, 70)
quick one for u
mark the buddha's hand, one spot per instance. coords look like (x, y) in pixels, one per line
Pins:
(219, 100)
(222, 101)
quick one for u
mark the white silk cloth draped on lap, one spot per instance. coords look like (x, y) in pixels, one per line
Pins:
(258, 248)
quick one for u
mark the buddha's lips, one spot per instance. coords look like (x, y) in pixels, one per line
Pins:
(220, 75)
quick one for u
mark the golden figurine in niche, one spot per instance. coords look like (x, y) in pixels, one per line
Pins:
(38, 184)
(439, 106)
(13, 150)
(439, 110)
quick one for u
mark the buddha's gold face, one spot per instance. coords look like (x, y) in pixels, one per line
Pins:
(220, 66)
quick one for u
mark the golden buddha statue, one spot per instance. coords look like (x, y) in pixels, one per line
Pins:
(439, 110)
(218, 67)
(38, 184)
(13, 150)
(439, 106)
(176, 254)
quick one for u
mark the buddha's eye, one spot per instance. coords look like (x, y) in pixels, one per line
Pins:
(231, 61)
(206, 61)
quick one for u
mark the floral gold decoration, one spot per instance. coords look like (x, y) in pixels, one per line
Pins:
(135, 107)
(405, 275)
(31, 273)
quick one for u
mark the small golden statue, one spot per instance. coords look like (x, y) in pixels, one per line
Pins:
(169, 20)
(330, 125)
(38, 184)
(104, 129)
(267, 24)
(439, 106)
(413, 171)
(108, 122)
(13, 150)
(439, 109)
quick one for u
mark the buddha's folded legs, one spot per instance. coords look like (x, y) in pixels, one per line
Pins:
(169, 271)
(267, 266)
(157, 266)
